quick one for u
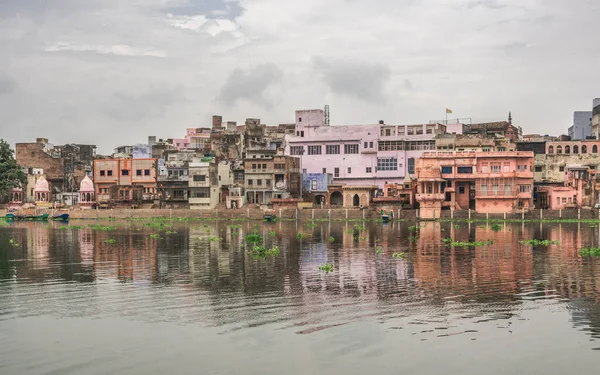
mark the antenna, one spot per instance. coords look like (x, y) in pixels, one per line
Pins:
(326, 114)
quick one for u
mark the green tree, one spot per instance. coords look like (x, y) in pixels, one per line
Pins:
(11, 174)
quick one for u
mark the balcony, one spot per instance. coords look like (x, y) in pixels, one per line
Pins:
(173, 178)
(431, 197)
(368, 151)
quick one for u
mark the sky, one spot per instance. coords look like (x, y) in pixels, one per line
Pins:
(113, 72)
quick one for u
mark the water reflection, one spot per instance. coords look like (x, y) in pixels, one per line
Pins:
(201, 273)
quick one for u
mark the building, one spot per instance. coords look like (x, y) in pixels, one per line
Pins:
(173, 178)
(375, 154)
(268, 176)
(195, 139)
(126, 181)
(203, 184)
(492, 182)
(401, 195)
(576, 192)
(470, 142)
(596, 119)
(582, 125)
(315, 187)
(490, 129)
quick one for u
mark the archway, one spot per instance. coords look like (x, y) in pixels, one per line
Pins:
(576, 149)
(551, 149)
(320, 199)
(336, 199)
(356, 200)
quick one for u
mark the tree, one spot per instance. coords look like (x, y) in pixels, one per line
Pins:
(11, 175)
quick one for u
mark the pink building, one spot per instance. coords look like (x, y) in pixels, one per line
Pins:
(195, 139)
(376, 154)
(488, 182)
(575, 193)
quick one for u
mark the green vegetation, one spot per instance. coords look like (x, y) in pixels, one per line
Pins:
(155, 236)
(452, 243)
(235, 226)
(171, 232)
(311, 225)
(77, 226)
(107, 228)
(300, 236)
(110, 241)
(262, 252)
(215, 239)
(456, 226)
(540, 242)
(13, 243)
(331, 239)
(378, 250)
(412, 228)
(253, 237)
(398, 255)
(363, 238)
(496, 227)
(62, 227)
(11, 174)
(272, 233)
(326, 267)
(590, 251)
(360, 227)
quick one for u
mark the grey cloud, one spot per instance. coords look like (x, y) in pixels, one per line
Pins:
(491, 4)
(361, 80)
(251, 85)
(223, 8)
(153, 103)
(7, 84)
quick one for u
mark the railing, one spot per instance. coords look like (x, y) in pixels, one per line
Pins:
(173, 178)
(431, 197)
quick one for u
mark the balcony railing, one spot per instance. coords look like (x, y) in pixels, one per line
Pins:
(431, 197)
(173, 178)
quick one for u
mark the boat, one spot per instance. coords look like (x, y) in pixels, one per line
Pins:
(61, 217)
(269, 215)
(385, 218)
(26, 217)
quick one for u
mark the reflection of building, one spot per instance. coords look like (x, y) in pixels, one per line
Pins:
(493, 182)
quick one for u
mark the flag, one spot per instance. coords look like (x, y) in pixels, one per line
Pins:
(448, 110)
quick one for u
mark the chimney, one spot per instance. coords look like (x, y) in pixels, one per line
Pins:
(217, 123)
(381, 122)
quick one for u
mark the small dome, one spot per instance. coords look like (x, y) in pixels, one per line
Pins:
(41, 185)
(86, 184)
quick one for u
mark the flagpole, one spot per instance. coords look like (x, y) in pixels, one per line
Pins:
(446, 116)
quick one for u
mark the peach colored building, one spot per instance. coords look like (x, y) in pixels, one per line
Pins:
(488, 182)
(125, 173)
(576, 192)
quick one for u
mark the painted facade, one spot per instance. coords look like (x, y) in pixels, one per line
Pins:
(359, 154)
(87, 193)
(114, 177)
(493, 182)
(271, 176)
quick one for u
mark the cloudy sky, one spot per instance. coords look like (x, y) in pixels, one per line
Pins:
(113, 72)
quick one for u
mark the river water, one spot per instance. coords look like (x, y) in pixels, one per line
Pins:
(189, 299)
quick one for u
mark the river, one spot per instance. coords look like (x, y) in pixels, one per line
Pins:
(147, 297)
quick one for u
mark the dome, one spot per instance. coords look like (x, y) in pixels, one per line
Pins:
(86, 184)
(41, 185)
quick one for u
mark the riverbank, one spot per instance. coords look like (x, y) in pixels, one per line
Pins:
(333, 214)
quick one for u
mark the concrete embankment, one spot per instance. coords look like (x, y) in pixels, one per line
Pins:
(337, 214)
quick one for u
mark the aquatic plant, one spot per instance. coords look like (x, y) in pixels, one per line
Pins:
(350, 231)
(363, 238)
(235, 233)
(360, 227)
(452, 243)
(107, 228)
(590, 251)
(300, 236)
(311, 225)
(13, 243)
(496, 227)
(215, 239)
(253, 237)
(540, 242)
(398, 255)
(331, 239)
(456, 226)
(62, 227)
(412, 228)
(110, 241)
(235, 226)
(155, 236)
(272, 233)
(378, 250)
(77, 226)
(171, 232)
(262, 252)
(326, 267)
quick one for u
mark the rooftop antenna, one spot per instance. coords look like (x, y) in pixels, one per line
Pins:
(326, 114)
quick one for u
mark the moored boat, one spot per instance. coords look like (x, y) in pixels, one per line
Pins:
(385, 218)
(27, 217)
(269, 215)
(61, 217)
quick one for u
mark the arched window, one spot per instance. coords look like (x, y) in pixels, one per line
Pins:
(551, 149)
(576, 149)
(567, 149)
(559, 149)
(584, 149)
(594, 149)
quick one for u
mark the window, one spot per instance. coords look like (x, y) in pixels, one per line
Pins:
(350, 149)
(336, 172)
(501, 149)
(146, 172)
(387, 164)
(564, 200)
(506, 167)
(390, 145)
(368, 170)
(264, 166)
(559, 149)
(522, 168)
(314, 150)
(313, 184)
(461, 190)
(411, 165)
(570, 200)
(486, 149)
(204, 193)
(495, 168)
(483, 190)
(551, 149)
(332, 149)
(178, 194)
(302, 133)
(349, 170)
(429, 131)
(124, 172)
(304, 170)
(538, 168)
(594, 149)
(109, 173)
(507, 189)
(268, 183)
(576, 149)
(484, 168)
(567, 149)
(366, 144)
(297, 150)
(524, 188)
(495, 189)
(250, 182)
(584, 149)
(138, 172)
(259, 182)
(200, 178)
(388, 132)
(464, 170)
(299, 119)
(447, 170)
(324, 170)
(370, 144)
(561, 168)
(102, 173)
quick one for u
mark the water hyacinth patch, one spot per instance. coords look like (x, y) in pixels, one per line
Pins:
(452, 243)
(496, 227)
(331, 239)
(253, 237)
(398, 255)
(590, 252)
(262, 252)
(272, 233)
(110, 241)
(326, 267)
(540, 242)
(300, 236)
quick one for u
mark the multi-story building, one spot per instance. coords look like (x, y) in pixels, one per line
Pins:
(359, 154)
(125, 180)
(195, 139)
(582, 125)
(268, 176)
(493, 182)
(490, 129)
(173, 177)
(460, 142)
(596, 119)
(203, 184)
